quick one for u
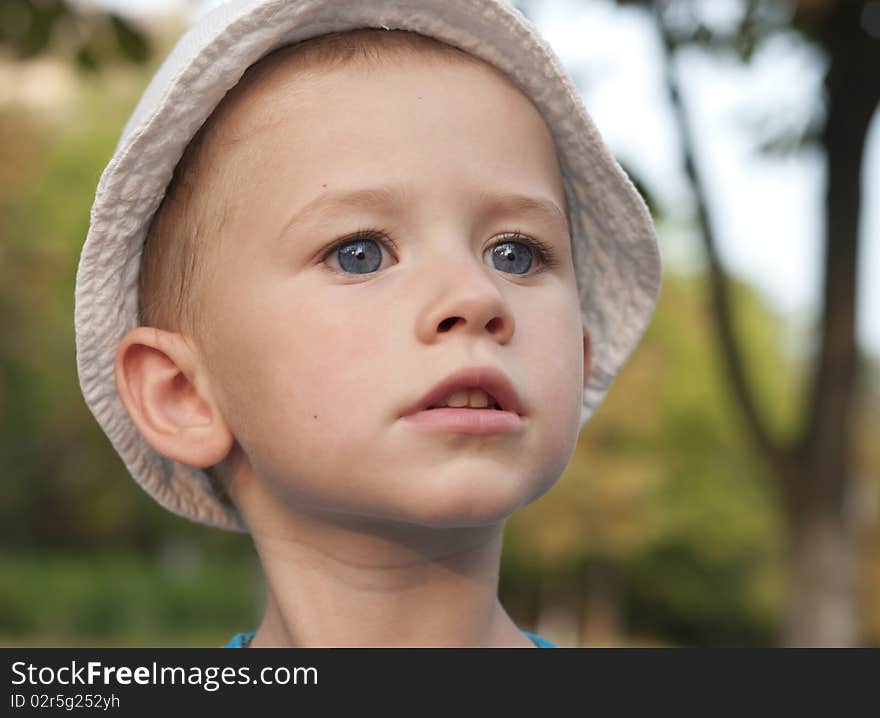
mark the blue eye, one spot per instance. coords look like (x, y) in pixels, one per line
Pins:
(512, 257)
(360, 256)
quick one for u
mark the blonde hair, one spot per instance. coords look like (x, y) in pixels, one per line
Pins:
(188, 224)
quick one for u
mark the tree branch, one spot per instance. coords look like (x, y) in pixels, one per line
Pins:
(730, 350)
(853, 93)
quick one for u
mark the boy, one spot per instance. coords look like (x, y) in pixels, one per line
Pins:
(392, 275)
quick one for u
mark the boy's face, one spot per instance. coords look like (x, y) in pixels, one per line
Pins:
(312, 359)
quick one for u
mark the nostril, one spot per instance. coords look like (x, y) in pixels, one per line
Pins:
(447, 324)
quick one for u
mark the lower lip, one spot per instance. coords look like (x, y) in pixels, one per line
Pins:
(469, 421)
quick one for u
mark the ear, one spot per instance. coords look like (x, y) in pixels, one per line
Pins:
(167, 395)
(587, 358)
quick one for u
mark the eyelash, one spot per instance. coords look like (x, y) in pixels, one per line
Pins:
(546, 254)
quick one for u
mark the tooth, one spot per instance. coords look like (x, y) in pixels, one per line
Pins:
(458, 398)
(478, 399)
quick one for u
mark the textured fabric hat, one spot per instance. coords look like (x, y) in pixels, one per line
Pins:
(615, 250)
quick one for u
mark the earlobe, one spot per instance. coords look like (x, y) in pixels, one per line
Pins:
(169, 401)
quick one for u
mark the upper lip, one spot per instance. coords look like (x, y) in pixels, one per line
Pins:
(491, 380)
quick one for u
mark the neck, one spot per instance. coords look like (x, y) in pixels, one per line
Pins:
(359, 582)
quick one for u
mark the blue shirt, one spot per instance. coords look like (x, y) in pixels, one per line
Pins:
(241, 640)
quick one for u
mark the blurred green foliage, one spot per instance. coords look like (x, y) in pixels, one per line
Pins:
(93, 38)
(123, 599)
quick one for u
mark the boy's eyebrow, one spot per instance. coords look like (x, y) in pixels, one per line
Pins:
(368, 197)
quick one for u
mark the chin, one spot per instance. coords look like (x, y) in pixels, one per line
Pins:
(488, 506)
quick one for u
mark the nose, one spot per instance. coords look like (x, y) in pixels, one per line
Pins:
(466, 299)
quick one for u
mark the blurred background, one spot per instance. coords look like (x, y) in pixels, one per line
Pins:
(727, 493)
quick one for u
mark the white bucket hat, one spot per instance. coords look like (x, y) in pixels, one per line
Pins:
(615, 250)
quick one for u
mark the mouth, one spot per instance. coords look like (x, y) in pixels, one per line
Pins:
(482, 389)
(473, 399)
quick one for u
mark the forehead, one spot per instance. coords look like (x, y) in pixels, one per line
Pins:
(291, 71)
(297, 67)
(402, 104)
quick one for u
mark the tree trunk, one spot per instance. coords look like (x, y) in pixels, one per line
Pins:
(820, 605)
(821, 609)
(602, 623)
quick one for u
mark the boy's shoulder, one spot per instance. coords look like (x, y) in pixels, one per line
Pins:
(240, 640)
(539, 641)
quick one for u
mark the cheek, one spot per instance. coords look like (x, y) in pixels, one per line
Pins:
(553, 352)
(557, 391)
(314, 370)
(316, 401)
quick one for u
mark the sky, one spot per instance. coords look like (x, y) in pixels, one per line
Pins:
(767, 212)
